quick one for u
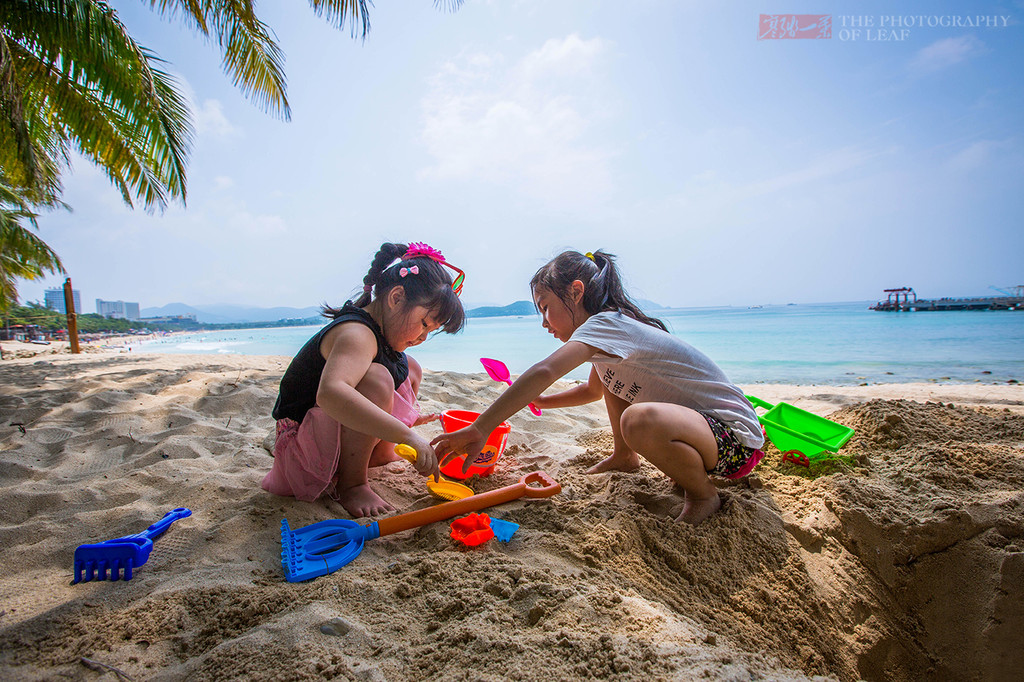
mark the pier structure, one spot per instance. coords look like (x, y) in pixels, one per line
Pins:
(905, 299)
(896, 299)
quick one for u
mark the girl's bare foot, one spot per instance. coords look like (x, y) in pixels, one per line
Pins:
(696, 510)
(629, 461)
(360, 501)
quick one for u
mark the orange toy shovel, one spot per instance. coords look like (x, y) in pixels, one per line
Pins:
(320, 548)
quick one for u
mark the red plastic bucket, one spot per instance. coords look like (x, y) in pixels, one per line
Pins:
(453, 420)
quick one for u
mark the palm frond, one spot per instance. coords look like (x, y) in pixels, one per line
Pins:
(14, 133)
(87, 84)
(192, 12)
(23, 255)
(251, 57)
(448, 5)
(337, 12)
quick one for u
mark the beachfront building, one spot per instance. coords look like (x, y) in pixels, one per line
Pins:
(54, 300)
(119, 310)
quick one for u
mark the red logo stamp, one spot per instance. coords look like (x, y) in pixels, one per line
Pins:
(794, 26)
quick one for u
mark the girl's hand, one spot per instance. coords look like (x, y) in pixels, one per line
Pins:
(469, 440)
(426, 460)
(426, 418)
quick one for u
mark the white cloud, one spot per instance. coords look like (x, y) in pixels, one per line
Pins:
(826, 167)
(977, 155)
(235, 222)
(945, 53)
(249, 225)
(523, 126)
(223, 182)
(707, 188)
(566, 57)
(210, 120)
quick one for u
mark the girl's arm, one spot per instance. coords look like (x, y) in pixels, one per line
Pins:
(349, 350)
(526, 388)
(577, 395)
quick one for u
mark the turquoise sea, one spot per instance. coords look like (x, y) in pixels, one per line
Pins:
(828, 343)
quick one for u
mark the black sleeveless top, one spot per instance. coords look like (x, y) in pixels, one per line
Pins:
(302, 378)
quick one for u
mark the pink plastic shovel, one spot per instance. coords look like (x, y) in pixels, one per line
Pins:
(497, 370)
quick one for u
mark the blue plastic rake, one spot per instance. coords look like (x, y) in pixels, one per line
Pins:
(115, 559)
(326, 546)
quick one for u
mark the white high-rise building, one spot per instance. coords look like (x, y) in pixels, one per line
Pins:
(119, 310)
(54, 300)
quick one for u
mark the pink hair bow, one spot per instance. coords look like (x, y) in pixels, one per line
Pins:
(415, 269)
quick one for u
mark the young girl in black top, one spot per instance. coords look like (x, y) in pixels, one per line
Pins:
(350, 393)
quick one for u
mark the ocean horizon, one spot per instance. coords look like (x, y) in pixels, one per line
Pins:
(825, 343)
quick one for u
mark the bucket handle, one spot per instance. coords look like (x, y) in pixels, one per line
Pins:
(757, 402)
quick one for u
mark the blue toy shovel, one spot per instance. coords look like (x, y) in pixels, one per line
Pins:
(326, 546)
(120, 555)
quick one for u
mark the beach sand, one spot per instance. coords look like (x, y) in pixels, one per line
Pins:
(901, 560)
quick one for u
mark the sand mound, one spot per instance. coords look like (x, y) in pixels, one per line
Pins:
(900, 561)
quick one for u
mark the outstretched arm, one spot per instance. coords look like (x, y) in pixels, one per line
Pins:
(533, 382)
(585, 393)
(526, 388)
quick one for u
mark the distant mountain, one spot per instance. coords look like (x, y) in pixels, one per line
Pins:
(175, 309)
(240, 313)
(517, 308)
(649, 305)
(225, 313)
(527, 308)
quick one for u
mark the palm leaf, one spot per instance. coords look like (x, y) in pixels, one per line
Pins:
(85, 83)
(23, 255)
(251, 58)
(338, 11)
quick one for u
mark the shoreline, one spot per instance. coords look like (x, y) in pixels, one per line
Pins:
(115, 346)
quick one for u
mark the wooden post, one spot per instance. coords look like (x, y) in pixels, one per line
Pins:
(69, 307)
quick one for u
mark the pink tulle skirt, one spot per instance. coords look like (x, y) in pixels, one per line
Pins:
(306, 454)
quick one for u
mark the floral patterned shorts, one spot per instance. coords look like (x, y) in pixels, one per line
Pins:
(735, 460)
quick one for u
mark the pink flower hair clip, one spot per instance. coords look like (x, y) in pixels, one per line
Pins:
(424, 250)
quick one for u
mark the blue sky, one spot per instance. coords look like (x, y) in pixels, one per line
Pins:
(721, 169)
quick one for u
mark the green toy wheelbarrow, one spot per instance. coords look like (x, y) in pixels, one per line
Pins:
(799, 434)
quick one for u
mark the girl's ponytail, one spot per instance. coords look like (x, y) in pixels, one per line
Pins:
(386, 255)
(609, 294)
(596, 296)
(603, 290)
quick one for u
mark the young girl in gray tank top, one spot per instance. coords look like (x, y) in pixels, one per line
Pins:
(667, 401)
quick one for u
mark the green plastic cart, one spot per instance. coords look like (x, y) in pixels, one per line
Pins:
(799, 434)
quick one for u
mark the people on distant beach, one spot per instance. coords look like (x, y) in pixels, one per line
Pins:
(667, 401)
(349, 395)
